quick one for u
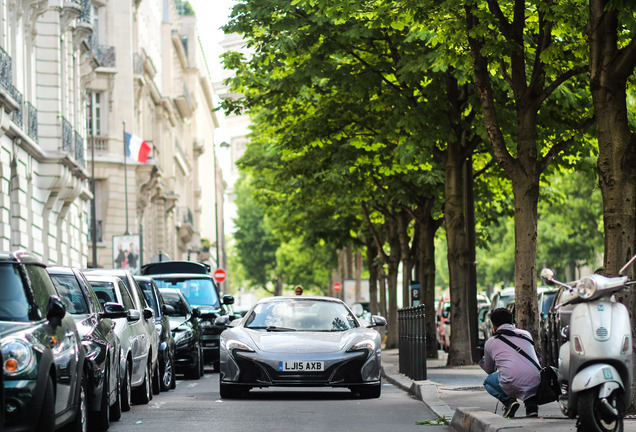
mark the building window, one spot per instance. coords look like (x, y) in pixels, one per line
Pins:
(94, 115)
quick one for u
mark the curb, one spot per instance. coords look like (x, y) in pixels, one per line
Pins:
(465, 419)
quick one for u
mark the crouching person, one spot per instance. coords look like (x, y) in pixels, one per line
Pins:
(511, 376)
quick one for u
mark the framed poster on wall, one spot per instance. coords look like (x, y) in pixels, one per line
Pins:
(126, 252)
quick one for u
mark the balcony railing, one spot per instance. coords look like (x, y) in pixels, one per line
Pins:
(67, 136)
(105, 54)
(185, 216)
(17, 115)
(79, 150)
(85, 15)
(6, 74)
(32, 121)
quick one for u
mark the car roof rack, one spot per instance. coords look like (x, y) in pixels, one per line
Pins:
(171, 267)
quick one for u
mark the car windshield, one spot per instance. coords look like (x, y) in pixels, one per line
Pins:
(301, 315)
(198, 291)
(13, 302)
(70, 293)
(173, 299)
(548, 299)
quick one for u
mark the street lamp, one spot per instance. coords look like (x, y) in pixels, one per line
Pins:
(223, 145)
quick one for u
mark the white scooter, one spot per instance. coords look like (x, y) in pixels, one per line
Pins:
(595, 362)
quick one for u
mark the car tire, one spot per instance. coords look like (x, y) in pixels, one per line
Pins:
(195, 371)
(100, 420)
(156, 379)
(126, 390)
(143, 394)
(46, 422)
(80, 423)
(167, 373)
(368, 392)
(232, 391)
(115, 408)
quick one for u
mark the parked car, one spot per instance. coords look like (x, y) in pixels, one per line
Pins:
(499, 300)
(195, 283)
(185, 327)
(139, 299)
(135, 333)
(481, 322)
(556, 320)
(443, 316)
(164, 378)
(300, 341)
(44, 386)
(99, 340)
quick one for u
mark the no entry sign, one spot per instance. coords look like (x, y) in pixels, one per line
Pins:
(337, 286)
(219, 275)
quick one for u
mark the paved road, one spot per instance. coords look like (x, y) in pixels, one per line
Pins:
(195, 405)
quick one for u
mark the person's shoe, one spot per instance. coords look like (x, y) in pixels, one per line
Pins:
(510, 408)
(532, 411)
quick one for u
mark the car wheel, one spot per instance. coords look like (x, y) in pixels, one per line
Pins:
(80, 424)
(368, 392)
(167, 375)
(143, 393)
(156, 379)
(100, 420)
(126, 390)
(195, 370)
(115, 408)
(46, 422)
(232, 391)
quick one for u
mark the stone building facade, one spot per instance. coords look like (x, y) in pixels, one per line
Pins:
(158, 88)
(73, 75)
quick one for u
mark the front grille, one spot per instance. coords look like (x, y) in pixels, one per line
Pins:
(602, 332)
(347, 371)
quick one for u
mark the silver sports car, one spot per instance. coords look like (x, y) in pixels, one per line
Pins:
(300, 341)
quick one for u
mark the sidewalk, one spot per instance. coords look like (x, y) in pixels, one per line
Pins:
(458, 395)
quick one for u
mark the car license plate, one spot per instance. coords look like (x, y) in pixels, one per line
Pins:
(301, 366)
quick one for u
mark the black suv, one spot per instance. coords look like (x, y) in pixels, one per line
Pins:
(44, 385)
(194, 281)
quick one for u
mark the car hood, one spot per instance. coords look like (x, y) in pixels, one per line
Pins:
(8, 327)
(176, 321)
(315, 342)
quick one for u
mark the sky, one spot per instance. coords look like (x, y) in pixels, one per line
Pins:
(211, 15)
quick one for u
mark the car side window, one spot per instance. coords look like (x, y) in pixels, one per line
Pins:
(70, 293)
(92, 297)
(14, 305)
(125, 296)
(42, 286)
(142, 298)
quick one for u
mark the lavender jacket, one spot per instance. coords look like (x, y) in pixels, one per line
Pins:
(518, 377)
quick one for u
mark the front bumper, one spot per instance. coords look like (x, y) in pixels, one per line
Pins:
(254, 370)
(22, 405)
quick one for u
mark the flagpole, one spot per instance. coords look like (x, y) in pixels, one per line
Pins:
(125, 179)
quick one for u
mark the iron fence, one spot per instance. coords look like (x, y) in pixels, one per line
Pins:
(67, 136)
(412, 342)
(18, 115)
(32, 121)
(6, 73)
(79, 150)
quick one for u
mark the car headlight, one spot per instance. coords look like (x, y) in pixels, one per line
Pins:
(586, 287)
(182, 337)
(234, 344)
(368, 345)
(18, 356)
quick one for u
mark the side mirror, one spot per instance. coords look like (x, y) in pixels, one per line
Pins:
(196, 312)
(114, 311)
(133, 315)
(55, 311)
(222, 321)
(168, 310)
(228, 300)
(378, 321)
(148, 313)
(547, 275)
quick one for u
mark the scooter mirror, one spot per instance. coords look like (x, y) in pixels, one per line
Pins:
(547, 275)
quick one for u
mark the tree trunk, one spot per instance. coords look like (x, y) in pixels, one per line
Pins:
(393, 265)
(427, 228)
(372, 264)
(402, 222)
(610, 69)
(458, 256)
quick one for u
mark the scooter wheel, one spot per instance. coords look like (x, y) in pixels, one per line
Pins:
(594, 417)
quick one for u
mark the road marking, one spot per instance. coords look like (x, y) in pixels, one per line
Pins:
(193, 385)
(158, 405)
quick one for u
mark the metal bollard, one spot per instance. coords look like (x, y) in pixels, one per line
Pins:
(412, 342)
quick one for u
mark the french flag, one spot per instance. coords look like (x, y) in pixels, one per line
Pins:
(136, 148)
